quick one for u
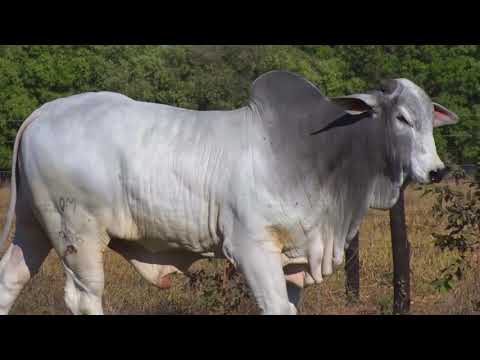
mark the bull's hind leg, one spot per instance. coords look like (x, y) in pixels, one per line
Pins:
(85, 279)
(80, 244)
(22, 259)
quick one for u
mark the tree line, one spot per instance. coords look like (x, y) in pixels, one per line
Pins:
(218, 77)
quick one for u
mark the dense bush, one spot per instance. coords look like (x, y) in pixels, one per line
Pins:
(460, 210)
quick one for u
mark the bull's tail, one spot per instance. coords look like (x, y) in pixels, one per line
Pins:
(13, 183)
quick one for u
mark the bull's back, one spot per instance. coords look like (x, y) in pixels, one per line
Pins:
(146, 172)
(69, 145)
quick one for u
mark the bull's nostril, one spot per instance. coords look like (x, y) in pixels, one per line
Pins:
(438, 175)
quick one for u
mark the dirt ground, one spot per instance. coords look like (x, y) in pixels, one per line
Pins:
(127, 293)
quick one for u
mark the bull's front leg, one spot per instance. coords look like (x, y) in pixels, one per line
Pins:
(263, 272)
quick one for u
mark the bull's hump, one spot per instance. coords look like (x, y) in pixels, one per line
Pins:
(278, 86)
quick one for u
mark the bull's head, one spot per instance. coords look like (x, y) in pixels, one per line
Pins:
(410, 117)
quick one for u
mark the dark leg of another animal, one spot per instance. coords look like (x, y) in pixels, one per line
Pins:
(294, 294)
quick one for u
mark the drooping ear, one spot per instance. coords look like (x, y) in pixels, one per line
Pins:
(442, 116)
(356, 104)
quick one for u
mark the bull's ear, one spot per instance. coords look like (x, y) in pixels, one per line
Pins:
(356, 104)
(442, 116)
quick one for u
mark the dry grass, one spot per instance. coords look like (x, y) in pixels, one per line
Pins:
(127, 293)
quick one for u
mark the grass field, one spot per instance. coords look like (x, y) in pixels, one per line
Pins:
(127, 293)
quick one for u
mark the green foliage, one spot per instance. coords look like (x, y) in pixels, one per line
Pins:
(216, 77)
(385, 305)
(449, 74)
(461, 210)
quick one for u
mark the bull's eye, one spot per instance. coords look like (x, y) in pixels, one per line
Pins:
(403, 119)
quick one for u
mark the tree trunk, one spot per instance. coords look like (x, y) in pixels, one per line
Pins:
(401, 258)
(352, 270)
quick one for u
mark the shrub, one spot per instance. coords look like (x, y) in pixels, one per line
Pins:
(461, 211)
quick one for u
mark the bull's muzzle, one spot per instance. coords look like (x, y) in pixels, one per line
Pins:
(438, 175)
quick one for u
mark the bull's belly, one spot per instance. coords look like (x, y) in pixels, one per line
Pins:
(170, 211)
(168, 243)
(172, 231)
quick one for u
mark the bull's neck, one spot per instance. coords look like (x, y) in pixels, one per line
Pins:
(355, 161)
(379, 172)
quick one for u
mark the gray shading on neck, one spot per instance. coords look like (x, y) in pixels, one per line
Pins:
(321, 158)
